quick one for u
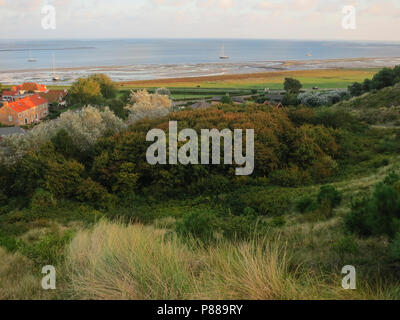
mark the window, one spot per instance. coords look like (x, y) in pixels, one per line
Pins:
(26, 121)
(10, 118)
(36, 117)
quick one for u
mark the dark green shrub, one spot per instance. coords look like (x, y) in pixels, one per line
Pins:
(395, 248)
(325, 209)
(330, 195)
(346, 245)
(64, 144)
(242, 227)
(3, 199)
(356, 89)
(391, 178)
(94, 193)
(10, 243)
(226, 100)
(306, 204)
(290, 99)
(199, 224)
(378, 215)
(386, 213)
(42, 199)
(249, 211)
(49, 250)
(277, 222)
(378, 163)
(290, 177)
(267, 202)
(292, 85)
(358, 220)
(210, 184)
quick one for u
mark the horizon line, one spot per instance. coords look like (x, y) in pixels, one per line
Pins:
(196, 38)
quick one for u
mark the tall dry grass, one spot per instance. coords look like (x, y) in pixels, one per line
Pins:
(19, 279)
(258, 270)
(117, 261)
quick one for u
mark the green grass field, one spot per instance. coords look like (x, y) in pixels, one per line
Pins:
(243, 84)
(326, 79)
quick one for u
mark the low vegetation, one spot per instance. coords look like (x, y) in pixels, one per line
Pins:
(326, 79)
(376, 107)
(78, 193)
(386, 77)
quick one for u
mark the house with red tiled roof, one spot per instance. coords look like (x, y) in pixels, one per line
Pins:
(53, 96)
(30, 87)
(24, 111)
(9, 95)
(23, 90)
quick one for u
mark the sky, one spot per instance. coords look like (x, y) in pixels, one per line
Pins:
(254, 19)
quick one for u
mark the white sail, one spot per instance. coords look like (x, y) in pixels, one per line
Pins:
(30, 57)
(55, 76)
(223, 56)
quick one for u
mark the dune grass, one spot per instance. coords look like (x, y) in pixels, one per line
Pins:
(19, 279)
(132, 261)
(118, 261)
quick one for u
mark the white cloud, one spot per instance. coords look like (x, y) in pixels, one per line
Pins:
(201, 18)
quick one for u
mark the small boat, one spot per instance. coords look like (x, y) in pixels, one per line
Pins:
(223, 56)
(309, 55)
(30, 57)
(55, 76)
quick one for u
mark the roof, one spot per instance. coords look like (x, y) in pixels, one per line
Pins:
(238, 99)
(27, 103)
(53, 95)
(11, 130)
(9, 93)
(276, 97)
(200, 105)
(30, 86)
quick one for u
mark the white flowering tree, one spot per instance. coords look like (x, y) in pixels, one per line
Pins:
(147, 106)
(318, 99)
(85, 127)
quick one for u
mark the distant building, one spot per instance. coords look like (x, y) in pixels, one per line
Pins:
(22, 91)
(24, 111)
(200, 105)
(53, 96)
(11, 96)
(216, 100)
(238, 100)
(30, 87)
(235, 100)
(274, 98)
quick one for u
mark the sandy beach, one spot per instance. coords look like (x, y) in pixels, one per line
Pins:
(213, 71)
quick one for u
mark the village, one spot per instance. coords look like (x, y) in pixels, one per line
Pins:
(26, 104)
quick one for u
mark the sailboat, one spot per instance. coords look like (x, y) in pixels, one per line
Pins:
(55, 77)
(30, 57)
(223, 56)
